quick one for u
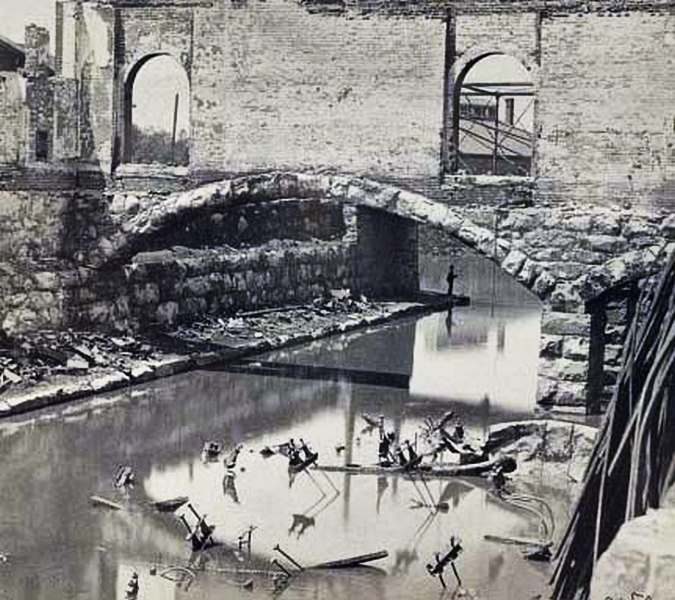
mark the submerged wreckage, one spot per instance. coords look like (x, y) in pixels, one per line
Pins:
(405, 459)
(439, 449)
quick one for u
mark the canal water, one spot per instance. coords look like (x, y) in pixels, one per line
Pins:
(479, 361)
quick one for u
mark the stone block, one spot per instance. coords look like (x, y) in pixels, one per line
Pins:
(614, 334)
(567, 270)
(196, 286)
(563, 323)
(146, 294)
(566, 298)
(575, 348)
(640, 559)
(613, 354)
(46, 281)
(606, 223)
(167, 313)
(543, 284)
(604, 243)
(553, 392)
(513, 262)
(551, 346)
(564, 369)
(668, 227)
(638, 228)
(580, 224)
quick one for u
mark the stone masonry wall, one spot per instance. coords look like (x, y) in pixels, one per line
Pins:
(387, 261)
(252, 225)
(166, 287)
(48, 280)
(569, 240)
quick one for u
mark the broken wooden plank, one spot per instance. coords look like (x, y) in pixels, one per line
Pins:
(352, 561)
(171, 504)
(11, 376)
(515, 541)
(101, 501)
(52, 354)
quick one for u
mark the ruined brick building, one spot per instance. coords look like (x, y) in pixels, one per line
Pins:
(362, 99)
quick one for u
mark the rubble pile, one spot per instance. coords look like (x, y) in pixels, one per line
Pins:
(48, 366)
(37, 356)
(337, 311)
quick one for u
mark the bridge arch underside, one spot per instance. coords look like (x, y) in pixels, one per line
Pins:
(280, 237)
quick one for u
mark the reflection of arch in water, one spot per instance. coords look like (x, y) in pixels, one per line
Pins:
(173, 108)
(493, 108)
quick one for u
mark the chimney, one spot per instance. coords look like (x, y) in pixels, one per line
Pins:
(37, 50)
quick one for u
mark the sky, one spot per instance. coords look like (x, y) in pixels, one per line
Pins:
(16, 14)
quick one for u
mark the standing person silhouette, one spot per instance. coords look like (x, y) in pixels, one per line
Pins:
(450, 279)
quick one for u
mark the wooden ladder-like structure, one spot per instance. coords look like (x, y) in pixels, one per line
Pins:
(633, 462)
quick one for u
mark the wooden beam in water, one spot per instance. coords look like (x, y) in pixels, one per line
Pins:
(298, 371)
(352, 561)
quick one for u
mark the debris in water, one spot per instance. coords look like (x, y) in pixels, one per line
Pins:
(180, 575)
(437, 570)
(230, 461)
(244, 539)
(300, 456)
(124, 477)
(266, 452)
(352, 561)
(230, 487)
(211, 450)
(247, 585)
(132, 587)
(170, 505)
(287, 573)
(289, 558)
(371, 421)
(539, 554)
(100, 501)
(200, 536)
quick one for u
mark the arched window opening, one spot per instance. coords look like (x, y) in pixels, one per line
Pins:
(157, 112)
(494, 113)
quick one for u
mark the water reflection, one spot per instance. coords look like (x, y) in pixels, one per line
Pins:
(480, 362)
(485, 355)
(76, 550)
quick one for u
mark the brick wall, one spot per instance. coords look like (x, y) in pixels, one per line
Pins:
(604, 122)
(275, 86)
(94, 67)
(65, 111)
(279, 85)
(605, 108)
(12, 117)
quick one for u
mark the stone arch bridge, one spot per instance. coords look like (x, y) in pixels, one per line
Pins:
(147, 263)
(583, 263)
(615, 248)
